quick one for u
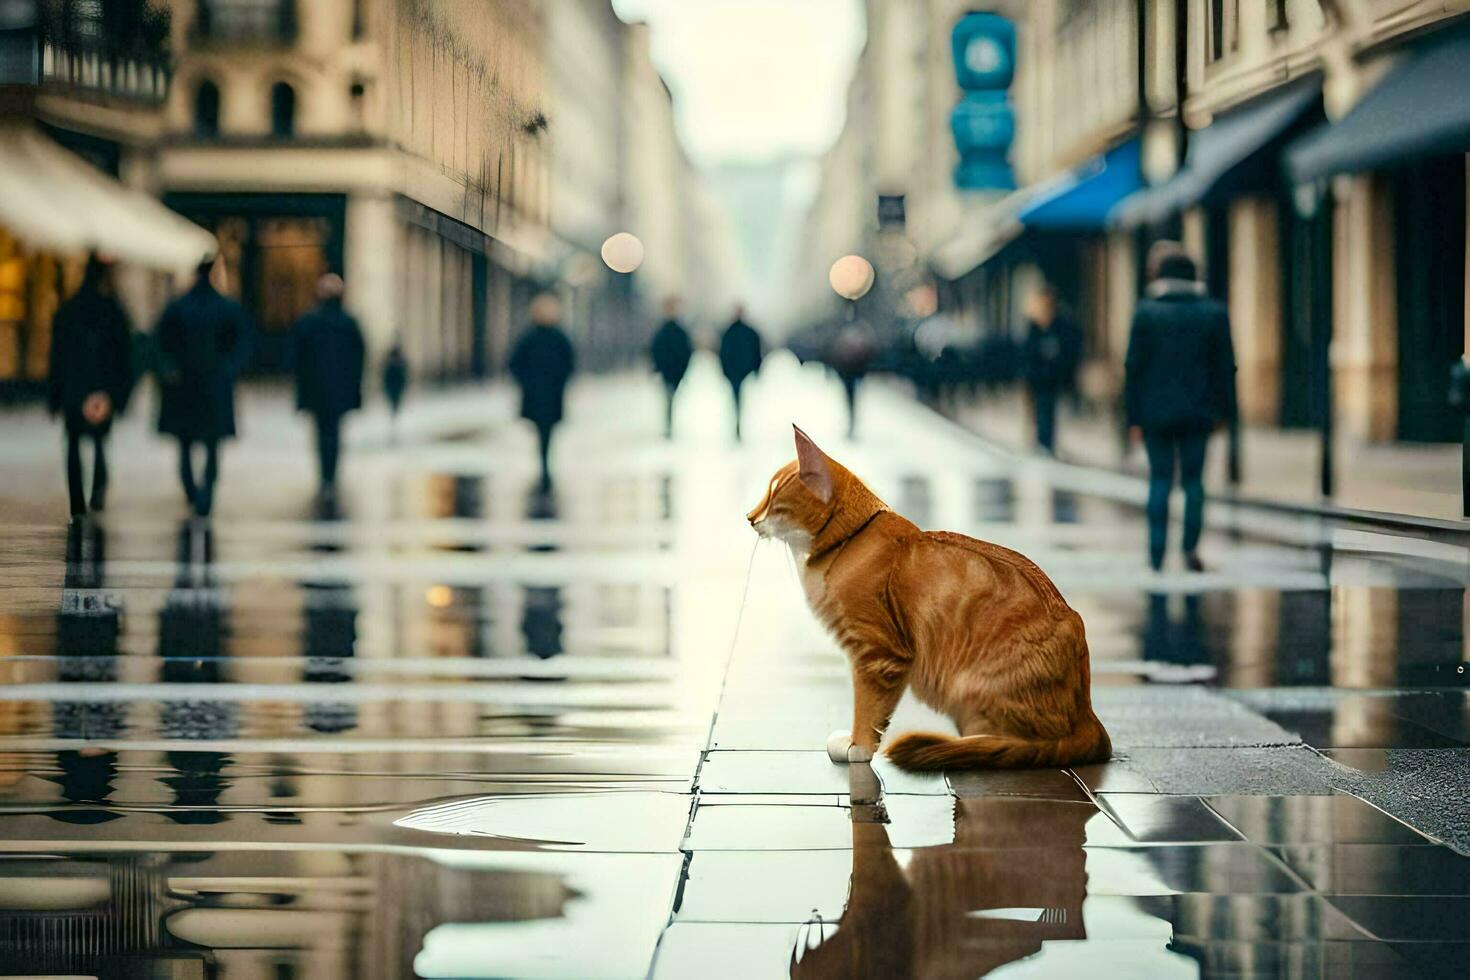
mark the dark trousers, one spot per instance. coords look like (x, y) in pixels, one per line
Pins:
(74, 470)
(669, 388)
(1044, 403)
(200, 495)
(328, 447)
(735, 387)
(543, 443)
(849, 388)
(1166, 450)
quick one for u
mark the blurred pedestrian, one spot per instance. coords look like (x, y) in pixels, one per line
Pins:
(850, 355)
(671, 350)
(395, 382)
(541, 363)
(1180, 385)
(1049, 355)
(327, 354)
(740, 356)
(90, 376)
(203, 342)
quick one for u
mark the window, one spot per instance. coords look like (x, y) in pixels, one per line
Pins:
(1223, 28)
(1276, 16)
(206, 109)
(283, 110)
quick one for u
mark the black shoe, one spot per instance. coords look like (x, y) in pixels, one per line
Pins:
(1192, 562)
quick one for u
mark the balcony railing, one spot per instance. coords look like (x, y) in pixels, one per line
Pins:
(271, 22)
(97, 70)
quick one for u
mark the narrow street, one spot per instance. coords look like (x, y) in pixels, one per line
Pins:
(462, 728)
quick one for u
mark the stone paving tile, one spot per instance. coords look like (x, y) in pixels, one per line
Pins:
(1046, 784)
(1410, 918)
(1169, 716)
(1164, 869)
(1120, 775)
(1330, 718)
(1166, 819)
(1429, 789)
(766, 886)
(1279, 771)
(1379, 869)
(1337, 819)
(737, 950)
(803, 772)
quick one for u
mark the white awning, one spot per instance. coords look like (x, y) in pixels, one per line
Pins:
(980, 238)
(52, 199)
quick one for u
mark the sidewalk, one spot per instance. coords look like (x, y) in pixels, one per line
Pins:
(1279, 466)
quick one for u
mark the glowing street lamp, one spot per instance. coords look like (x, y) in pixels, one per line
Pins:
(622, 252)
(851, 277)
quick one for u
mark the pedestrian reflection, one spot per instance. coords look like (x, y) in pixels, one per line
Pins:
(1014, 877)
(88, 626)
(1166, 640)
(541, 621)
(191, 631)
(330, 640)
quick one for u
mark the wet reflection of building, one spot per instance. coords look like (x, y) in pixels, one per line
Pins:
(88, 626)
(325, 914)
(1015, 877)
(192, 626)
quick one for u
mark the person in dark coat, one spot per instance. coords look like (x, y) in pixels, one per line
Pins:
(1180, 385)
(671, 350)
(740, 356)
(1049, 356)
(395, 382)
(328, 355)
(203, 342)
(541, 363)
(90, 376)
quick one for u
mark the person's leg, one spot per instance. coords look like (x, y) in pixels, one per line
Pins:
(74, 471)
(735, 387)
(186, 473)
(669, 390)
(1160, 448)
(543, 436)
(1191, 475)
(99, 471)
(1046, 417)
(211, 476)
(328, 449)
(849, 386)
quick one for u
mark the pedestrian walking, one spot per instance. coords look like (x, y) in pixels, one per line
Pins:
(90, 377)
(203, 342)
(541, 363)
(671, 350)
(1049, 357)
(741, 351)
(850, 355)
(327, 354)
(1180, 385)
(395, 383)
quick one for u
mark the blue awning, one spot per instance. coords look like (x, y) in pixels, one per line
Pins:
(1081, 200)
(1420, 109)
(1238, 151)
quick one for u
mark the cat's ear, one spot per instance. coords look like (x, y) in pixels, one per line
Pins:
(813, 469)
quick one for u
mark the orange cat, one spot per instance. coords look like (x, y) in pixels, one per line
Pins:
(978, 631)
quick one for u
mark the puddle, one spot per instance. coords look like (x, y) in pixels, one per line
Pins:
(627, 822)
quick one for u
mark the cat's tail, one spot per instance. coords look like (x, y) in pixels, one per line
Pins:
(1088, 742)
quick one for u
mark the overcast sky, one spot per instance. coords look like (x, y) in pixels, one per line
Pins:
(753, 79)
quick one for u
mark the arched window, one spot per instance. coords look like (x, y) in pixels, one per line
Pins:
(206, 109)
(283, 110)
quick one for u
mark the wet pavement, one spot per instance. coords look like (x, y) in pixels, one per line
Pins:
(461, 728)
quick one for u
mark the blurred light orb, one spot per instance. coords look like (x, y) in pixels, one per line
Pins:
(622, 252)
(851, 277)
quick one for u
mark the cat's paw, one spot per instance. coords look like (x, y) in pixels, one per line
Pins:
(838, 745)
(859, 753)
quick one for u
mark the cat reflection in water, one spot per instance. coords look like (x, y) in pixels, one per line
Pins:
(977, 631)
